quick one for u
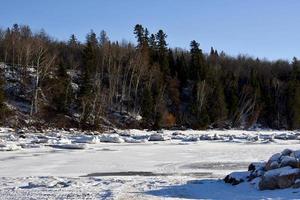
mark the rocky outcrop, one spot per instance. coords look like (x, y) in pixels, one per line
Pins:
(282, 170)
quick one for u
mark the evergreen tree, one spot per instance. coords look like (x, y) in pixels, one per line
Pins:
(197, 68)
(73, 42)
(89, 64)
(162, 51)
(140, 35)
(153, 49)
(103, 39)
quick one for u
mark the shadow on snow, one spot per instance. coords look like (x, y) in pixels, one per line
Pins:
(217, 189)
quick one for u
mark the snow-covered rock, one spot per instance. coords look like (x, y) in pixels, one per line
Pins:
(236, 178)
(9, 147)
(111, 138)
(281, 171)
(192, 138)
(87, 139)
(285, 136)
(157, 137)
(132, 140)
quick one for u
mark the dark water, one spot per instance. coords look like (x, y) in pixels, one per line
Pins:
(143, 173)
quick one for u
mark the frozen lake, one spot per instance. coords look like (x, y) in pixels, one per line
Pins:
(149, 170)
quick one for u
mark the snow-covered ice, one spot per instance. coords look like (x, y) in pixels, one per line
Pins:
(61, 165)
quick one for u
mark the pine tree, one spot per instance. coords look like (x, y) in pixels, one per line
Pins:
(197, 68)
(89, 64)
(103, 39)
(139, 32)
(73, 42)
(162, 51)
(153, 49)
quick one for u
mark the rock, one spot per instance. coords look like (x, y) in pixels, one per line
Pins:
(157, 137)
(268, 183)
(191, 139)
(111, 138)
(253, 138)
(217, 137)
(132, 140)
(295, 154)
(40, 141)
(23, 136)
(87, 139)
(20, 131)
(236, 178)
(274, 165)
(9, 147)
(206, 137)
(125, 134)
(269, 137)
(287, 178)
(279, 178)
(273, 158)
(256, 166)
(285, 136)
(281, 171)
(255, 182)
(286, 152)
(290, 161)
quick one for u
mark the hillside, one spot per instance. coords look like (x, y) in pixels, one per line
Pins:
(103, 84)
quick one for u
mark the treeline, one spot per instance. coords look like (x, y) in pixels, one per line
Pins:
(87, 82)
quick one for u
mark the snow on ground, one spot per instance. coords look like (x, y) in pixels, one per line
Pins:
(126, 165)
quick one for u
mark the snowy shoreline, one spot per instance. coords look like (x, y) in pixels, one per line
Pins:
(135, 164)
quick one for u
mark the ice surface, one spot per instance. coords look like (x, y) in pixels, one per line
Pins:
(60, 165)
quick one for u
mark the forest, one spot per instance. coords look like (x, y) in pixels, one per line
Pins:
(100, 82)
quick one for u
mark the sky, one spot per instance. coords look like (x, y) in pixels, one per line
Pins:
(260, 28)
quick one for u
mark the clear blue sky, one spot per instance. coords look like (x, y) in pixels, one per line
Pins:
(259, 28)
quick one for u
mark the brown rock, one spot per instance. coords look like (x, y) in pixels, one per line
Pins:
(268, 183)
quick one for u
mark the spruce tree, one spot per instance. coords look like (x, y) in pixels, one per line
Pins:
(89, 64)
(140, 35)
(162, 51)
(197, 68)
